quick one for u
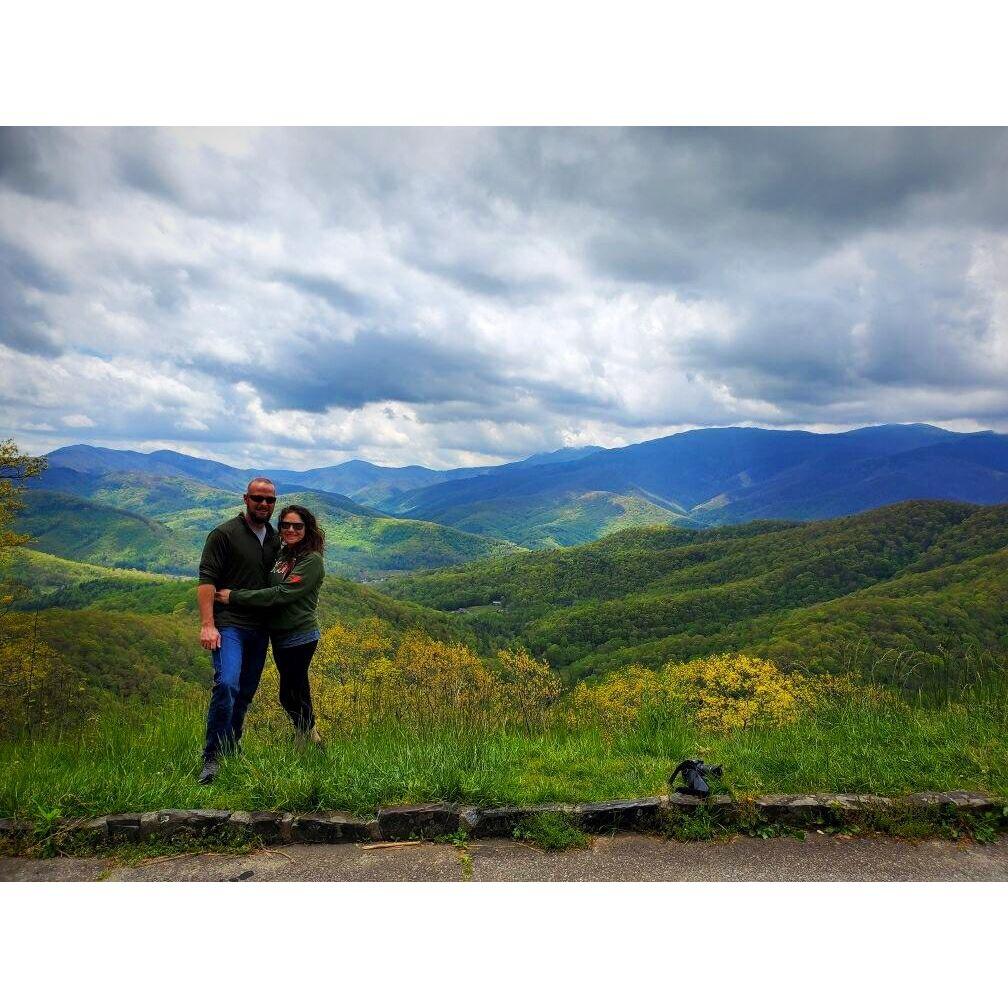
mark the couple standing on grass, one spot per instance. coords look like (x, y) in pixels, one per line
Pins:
(256, 588)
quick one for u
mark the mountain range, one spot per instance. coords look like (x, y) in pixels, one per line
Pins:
(152, 510)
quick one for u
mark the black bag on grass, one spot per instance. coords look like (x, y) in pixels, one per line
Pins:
(694, 775)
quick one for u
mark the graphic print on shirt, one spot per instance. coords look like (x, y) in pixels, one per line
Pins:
(283, 567)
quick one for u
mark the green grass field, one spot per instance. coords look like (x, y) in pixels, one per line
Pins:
(147, 759)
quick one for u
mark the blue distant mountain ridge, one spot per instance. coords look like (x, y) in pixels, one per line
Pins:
(704, 477)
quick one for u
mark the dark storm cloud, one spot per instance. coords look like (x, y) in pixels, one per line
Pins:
(845, 175)
(673, 205)
(913, 323)
(20, 268)
(331, 291)
(201, 181)
(24, 325)
(519, 400)
(488, 283)
(139, 166)
(644, 257)
(32, 161)
(314, 373)
(473, 279)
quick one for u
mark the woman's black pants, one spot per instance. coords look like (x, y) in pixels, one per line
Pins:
(295, 692)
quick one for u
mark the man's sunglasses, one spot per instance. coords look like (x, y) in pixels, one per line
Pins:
(261, 499)
(292, 526)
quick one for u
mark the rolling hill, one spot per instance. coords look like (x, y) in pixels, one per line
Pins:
(78, 529)
(122, 634)
(916, 574)
(545, 521)
(170, 517)
(47, 582)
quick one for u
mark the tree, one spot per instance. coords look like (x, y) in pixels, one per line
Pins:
(15, 468)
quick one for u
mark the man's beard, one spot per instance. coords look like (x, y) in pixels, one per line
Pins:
(255, 519)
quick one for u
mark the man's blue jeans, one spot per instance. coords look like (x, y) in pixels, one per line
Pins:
(238, 665)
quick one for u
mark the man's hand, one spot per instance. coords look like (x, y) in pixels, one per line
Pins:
(222, 595)
(209, 638)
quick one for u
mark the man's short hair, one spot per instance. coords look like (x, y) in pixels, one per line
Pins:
(260, 479)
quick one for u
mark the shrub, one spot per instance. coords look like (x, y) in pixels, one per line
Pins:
(364, 675)
(721, 693)
(37, 689)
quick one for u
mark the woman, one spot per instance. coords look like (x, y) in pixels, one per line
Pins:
(292, 599)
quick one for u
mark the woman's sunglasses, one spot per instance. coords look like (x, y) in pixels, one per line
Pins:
(292, 526)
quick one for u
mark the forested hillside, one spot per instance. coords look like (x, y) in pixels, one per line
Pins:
(159, 523)
(78, 529)
(121, 633)
(919, 575)
(546, 521)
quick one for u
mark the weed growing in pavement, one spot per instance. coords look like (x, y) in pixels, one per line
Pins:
(459, 838)
(465, 860)
(695, 825)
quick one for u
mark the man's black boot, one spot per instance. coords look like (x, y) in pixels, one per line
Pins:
(209, 771)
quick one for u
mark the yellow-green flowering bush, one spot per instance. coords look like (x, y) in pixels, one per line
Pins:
(365, 674)
(723, 692)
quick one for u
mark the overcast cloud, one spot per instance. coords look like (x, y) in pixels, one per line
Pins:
(456, 297)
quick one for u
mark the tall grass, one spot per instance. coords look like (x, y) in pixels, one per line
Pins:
(137, 760)
(407, 718)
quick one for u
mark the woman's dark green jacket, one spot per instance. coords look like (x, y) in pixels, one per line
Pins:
(293, 593)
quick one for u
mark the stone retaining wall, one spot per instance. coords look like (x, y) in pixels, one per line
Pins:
(438, 819)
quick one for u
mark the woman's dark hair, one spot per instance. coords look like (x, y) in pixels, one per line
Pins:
(314, 537)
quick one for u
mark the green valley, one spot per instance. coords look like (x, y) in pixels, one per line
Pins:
(565, 519)
(918, 575)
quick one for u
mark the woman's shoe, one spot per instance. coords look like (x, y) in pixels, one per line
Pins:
(311, 737)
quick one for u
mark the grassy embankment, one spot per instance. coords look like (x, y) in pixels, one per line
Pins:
(145, 759)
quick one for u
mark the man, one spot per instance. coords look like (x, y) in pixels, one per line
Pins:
(238, 554)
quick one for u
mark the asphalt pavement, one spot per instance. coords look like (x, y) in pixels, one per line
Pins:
(622, 858)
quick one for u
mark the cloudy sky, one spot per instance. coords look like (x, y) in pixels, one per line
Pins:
(455, 297)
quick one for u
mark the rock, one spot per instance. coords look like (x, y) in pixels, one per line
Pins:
(794, 810)
(469, 818)
(635, 814)
(330, 827)
(15, 831)
(123, 827)
(95, 830)
(270, 827)
(961, 801)
(723, 808)
(856, 802)
(169, 823)
(684, 802)
(499, 822)
(407, 822)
